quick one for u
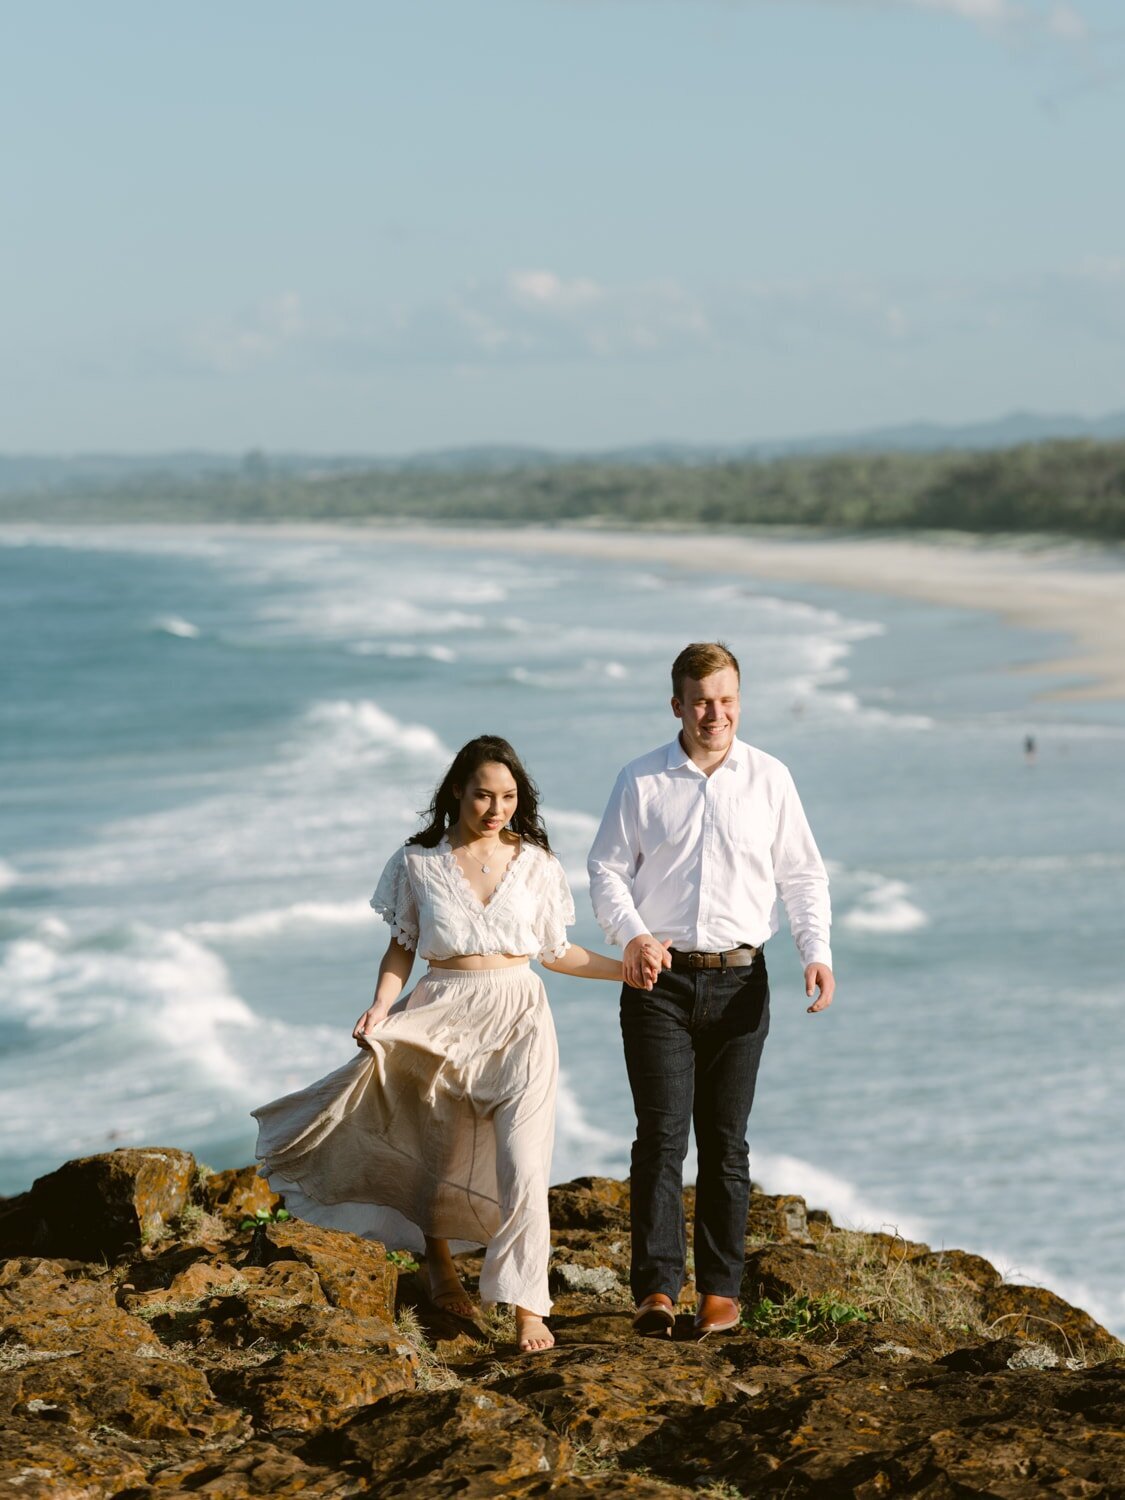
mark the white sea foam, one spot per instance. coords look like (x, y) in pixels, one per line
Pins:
(364, 618)
(1107, 1309)
(823, 1189)
(262, 924)
(571, 833)
(885, 909)
(357, 728)
(581, 1147)
(9, 875)
(162, 540)
(403, 650)
(174, 625)
(305, 822)
(574, 675)
(148, 1039)
(849, 704)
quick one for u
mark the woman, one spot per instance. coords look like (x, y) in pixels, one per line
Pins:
(438, 1136)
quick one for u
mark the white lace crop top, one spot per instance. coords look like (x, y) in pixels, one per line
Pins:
(424, 896)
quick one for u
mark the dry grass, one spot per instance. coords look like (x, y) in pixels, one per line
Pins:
(432, 1372)
(892, 1288)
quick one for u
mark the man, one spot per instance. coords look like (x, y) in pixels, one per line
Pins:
(698, 839)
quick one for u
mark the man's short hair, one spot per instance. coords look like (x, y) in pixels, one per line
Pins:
(700, 660)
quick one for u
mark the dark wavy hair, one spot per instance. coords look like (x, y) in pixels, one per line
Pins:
(444, 810)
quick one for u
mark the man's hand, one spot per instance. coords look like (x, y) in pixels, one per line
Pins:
(818, 977)
(643, 960)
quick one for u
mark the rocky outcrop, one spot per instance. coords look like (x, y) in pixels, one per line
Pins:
(180, 1339)
(99, 1205)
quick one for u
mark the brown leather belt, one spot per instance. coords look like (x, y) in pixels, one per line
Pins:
(733, 958)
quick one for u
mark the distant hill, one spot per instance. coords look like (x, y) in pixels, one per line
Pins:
(99, 473)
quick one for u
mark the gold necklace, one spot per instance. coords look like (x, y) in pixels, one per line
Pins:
(484, 869)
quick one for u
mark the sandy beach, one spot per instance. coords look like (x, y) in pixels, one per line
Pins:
(1074, 590)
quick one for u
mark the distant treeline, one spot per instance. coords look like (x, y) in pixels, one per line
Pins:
(1071, 487)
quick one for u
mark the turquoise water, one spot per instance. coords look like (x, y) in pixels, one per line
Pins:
(210, 742)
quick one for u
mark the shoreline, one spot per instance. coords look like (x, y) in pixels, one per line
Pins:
(1071, 589)
(1047, 588)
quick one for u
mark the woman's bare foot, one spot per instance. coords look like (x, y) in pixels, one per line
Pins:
(441, 1282)
(532, 1334)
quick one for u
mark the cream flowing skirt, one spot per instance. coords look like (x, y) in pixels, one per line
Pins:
(443, 1127)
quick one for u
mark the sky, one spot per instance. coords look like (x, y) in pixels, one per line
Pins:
(385, 226)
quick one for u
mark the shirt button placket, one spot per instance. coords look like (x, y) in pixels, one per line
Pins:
(705, 858)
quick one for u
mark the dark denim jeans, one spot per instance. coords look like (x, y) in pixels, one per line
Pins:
(692, 1048)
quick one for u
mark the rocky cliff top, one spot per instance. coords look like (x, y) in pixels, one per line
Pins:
(167, 1331)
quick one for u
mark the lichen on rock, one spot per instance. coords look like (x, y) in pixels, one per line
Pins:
(222, 1352)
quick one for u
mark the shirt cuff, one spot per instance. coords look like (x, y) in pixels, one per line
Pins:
(630, 928)
(818, 953)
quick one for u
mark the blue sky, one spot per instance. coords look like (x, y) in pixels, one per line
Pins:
(404, 224)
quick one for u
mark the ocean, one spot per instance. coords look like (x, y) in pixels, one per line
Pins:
(211, 742)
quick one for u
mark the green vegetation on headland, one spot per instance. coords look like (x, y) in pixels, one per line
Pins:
(1074, 488)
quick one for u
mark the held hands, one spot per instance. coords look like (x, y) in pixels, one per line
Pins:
(643, 960)
(370, 1018)
(818, 977)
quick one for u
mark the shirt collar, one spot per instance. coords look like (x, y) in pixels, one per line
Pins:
(678, 757)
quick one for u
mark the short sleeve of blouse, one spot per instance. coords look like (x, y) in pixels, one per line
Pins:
(556, 913)
(394, 900)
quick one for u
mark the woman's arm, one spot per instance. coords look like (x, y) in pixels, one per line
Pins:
(393, 974)
(584, 964)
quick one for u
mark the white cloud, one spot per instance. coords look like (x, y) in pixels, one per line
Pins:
(546, 289)
(1058, 20)
(252, 338)
(1065, 22)
(544, 318)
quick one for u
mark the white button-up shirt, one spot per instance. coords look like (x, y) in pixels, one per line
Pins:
(699, 861)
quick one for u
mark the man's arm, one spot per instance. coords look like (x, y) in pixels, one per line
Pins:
(612, 864)
(802, 882)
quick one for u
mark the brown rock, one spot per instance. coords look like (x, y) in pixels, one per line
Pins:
(202, 1278)
(146, 1398)
(597, 1203)
(608, 1484)
(968, 1270)
(218, 1308)
(894, 1249)
(1042, 1315)
(238, 1194)
(40, 1462)
(313, 1388)
(259, 1323)
(891, 1339)
(51, 1305)
(608, 1399)
(98, 1206)
(781, 1271)
(255, 1468)
(354, 1273)
(471, 1442)
(907, 1430)
(778, 1217)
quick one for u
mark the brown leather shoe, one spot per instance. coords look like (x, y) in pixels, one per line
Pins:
(717, 1315)
(655, 1317)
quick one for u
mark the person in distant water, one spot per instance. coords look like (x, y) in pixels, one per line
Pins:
(1029, 749)
(697, 840)
(438, 1136)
